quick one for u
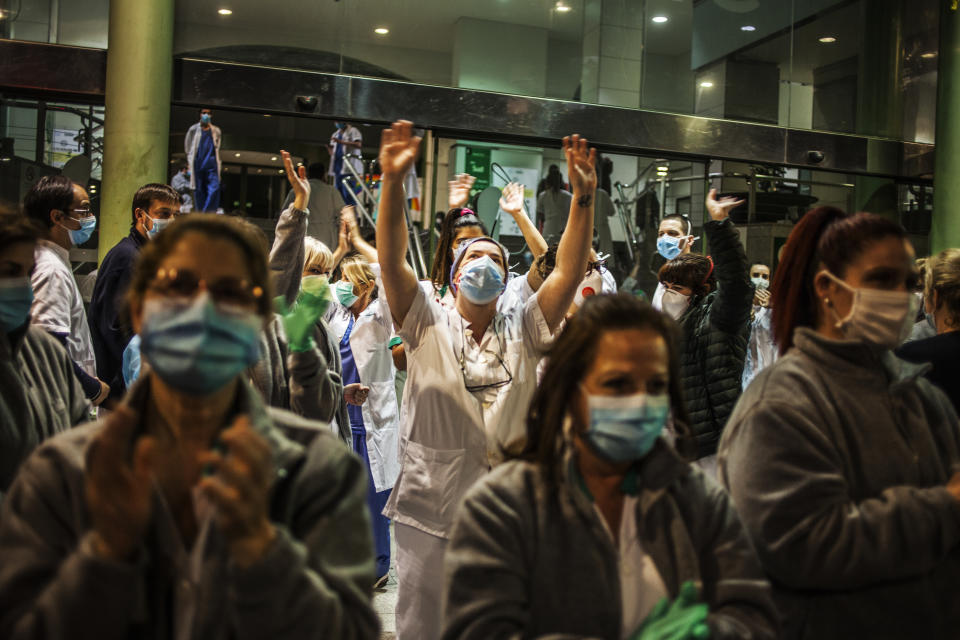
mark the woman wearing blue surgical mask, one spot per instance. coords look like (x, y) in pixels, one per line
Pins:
(191, 501)
(471, 370)
(361, 321)
(602, 504)
(842, 460)
(39, 395)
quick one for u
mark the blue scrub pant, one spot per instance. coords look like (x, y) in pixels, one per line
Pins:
(207, 193)
(376, 502)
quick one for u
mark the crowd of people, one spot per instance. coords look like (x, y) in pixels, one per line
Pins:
(223, 445)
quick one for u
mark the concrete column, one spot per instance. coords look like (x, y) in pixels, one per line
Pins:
(137, 129)
(612, 53)
(945, 230)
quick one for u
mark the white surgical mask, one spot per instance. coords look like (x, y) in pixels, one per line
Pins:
(674, 303)
(877, 317)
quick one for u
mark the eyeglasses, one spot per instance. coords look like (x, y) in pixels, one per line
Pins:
(82, 212)
(463, 364)
(184, 283)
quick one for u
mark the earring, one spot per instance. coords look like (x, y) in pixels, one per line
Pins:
(827, 302)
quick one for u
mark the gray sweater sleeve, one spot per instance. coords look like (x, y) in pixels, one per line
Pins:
(315, 581)
(288, 253)
(808, 531)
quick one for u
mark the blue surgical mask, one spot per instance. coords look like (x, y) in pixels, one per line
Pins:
(481, 280)
(16, 296)
(668, 247)
(760, 283)
(625, 428)
(158, 226)
(81, 235)
(205, 118)
(195, 346)
(130, 361)
(340, 125)
(344, 291)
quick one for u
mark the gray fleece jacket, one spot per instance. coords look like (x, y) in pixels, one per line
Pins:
(313, 582)
(528, 559)
(836, 458)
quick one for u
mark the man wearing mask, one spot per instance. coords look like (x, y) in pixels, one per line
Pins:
(154, 206)
(62, 209)
(181, 184)
(345, 145)
(674, 238)
(202, 145)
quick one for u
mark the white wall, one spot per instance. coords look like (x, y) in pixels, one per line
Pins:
(496, 56)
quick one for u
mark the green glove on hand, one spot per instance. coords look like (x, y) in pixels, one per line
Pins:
(683, 619)
(299, 322)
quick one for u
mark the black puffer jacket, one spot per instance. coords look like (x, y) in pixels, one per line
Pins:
(715, 330)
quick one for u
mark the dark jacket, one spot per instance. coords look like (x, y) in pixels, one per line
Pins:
(313, 582)
(528, 559)
(943, 352)
(110, 336)
(715, 330)
(39, 395)
(837, 458)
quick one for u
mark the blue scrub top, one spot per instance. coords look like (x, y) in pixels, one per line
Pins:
(206, 153)
(350, 375)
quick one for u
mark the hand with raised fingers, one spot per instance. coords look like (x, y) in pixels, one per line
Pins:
(720, 209)
(298, 180)
(581, 165)
(511, 200)
(399, 149)
(458, 190)
(118, 485)
(683, 619)
(237, 481)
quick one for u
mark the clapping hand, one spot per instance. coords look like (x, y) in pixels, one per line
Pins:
(399, 149)
(298, 180)
(720, 209)
(459, 190)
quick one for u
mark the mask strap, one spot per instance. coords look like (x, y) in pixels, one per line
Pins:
(709, 273)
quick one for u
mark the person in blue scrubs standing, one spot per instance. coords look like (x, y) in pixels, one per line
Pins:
(202, 145)
(345, 145)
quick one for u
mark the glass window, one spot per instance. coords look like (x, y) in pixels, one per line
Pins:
(81, 23)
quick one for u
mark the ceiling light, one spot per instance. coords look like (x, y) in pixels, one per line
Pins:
(748, 27)
(225, 12)
(274, 158)
(828, 39)
(660, 19)
(706, 84)
(281, 170)
(381, 31)
(259, 170)
(237, 154)
(929, 54)
(563, 8)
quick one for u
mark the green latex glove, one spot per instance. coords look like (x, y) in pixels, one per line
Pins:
(299, 322)
(683, 619)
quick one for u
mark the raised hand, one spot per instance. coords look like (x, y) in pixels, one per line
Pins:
(720, 209)
(349, 218)
(240, 489)
(118, 487)
(581, 165)
(511, 200)
(399, 149)
(298, 180)
(458, 190)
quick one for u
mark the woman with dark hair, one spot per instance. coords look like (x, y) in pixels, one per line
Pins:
(39, 394)
(190, 511)
(711, 298)
(842, 460)
(601, 503)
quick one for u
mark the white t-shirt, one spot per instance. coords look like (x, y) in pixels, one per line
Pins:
(350, 154)
(58, 305)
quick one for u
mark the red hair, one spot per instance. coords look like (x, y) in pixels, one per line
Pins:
(825, 237)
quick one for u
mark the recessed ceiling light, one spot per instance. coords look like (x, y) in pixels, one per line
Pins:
(706, 84)
(381, 31)
(563, 8)
(663, 168)
(659, 19)
(929, 54)
(748, 27)
(273, 159)
(237, 154)
(281, 170)
(225, 12)
(828, 39)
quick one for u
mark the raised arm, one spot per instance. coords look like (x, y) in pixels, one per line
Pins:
(731, 309)
(287, 254)
(364, 248)
(559, 289)
(512, 202)
(398, 150)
